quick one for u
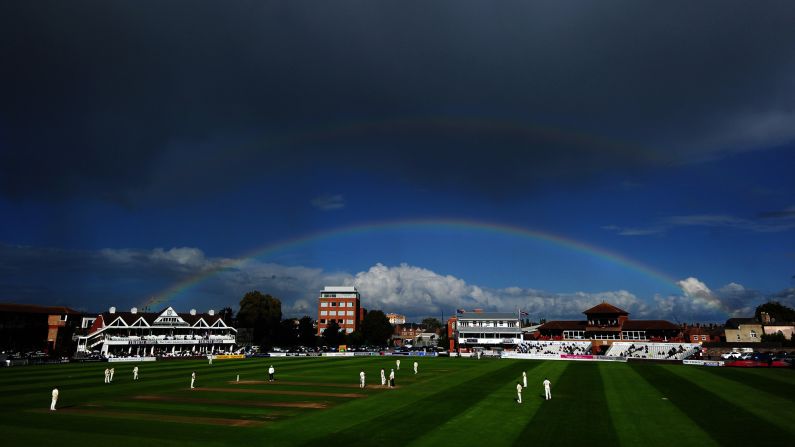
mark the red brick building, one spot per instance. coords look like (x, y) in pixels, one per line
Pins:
(340, 304)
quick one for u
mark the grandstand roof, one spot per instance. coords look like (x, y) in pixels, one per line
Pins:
(648, 325)
(564, 325)
(35, 309)
(150, 317)
(487, 316)
(605, 308)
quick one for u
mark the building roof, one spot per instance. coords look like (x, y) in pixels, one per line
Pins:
(563, 325)
(150, 317)
(648, 325)
(36, 309)
(487, 316)
(734, 323)
(339, 289)
(605, 308)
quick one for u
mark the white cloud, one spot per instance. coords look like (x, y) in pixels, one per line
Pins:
(328, 202)
(772, 222)
(127, 277)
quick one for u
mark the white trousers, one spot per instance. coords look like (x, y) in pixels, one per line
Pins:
(519, 397)
(547, 393)
(52, 405)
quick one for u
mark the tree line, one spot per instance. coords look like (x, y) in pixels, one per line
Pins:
(262, 313)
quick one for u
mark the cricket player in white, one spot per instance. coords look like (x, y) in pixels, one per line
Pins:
(271, 372)
(416, 366)
(547, 392)
(135, 373)
(361, 379)
(524, 379)
(391, 378)
(519, 392)
(383, 377)
(398, 364)
(54, 398)
(210, 358)
(112, 371)
(192, 379)
(107, 375)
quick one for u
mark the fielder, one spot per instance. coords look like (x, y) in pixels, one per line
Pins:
(383, 377)
(398, 364)
(524, 379)
(519, 392)
(107, 375)
(361, 379)
(210, 358)
(416, 366)
(391, 378)
(112, 372)
(547, 391)
(135, 373)
(271, 372)
(54, 398)
(192, 379)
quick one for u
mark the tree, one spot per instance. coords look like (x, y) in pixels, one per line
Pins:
(355, 338)
(778, 337)
(227, 315)
(331, 335)
(376, 328)
(778, 312)
(262, 313)
(431, 324)
(444, 340)
(288, 332)
(306, 332)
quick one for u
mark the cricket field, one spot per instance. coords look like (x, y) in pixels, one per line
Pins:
(452, 401)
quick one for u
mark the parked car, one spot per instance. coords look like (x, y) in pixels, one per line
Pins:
(731, 355)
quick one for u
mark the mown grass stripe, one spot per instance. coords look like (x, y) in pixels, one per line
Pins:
(724, 421)
(577, 414)
(640, 414)
(501, 407)
(769, 407)
(384, 429)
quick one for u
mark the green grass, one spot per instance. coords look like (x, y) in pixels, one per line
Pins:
(454, 401)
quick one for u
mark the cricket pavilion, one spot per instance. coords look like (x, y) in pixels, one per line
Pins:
(165, 333)
(606, 324)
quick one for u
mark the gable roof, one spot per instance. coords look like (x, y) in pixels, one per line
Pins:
(734, 323)
(605, 308)
(35, 309)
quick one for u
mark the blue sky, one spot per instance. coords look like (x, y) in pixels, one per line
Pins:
(148, 146)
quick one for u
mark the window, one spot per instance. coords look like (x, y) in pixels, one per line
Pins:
(63, 317)
(323, 304)
(753, 334)
(350, 313)
(349, 322)
(333, 304)
(350, 304)
(704, 337)
(332, 313)
(323, 312)
(322, 321)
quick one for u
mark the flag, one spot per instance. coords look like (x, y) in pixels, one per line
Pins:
(459, 311)
(524, 314)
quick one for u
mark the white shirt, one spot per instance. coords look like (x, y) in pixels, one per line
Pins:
(547, 383)
(55, 393)
(361, 376)
(519, 388)
(271, 370)
(392, 374)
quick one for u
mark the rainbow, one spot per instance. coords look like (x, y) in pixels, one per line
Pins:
(178, 288)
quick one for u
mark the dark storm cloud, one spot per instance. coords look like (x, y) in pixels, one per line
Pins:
(129, 101)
